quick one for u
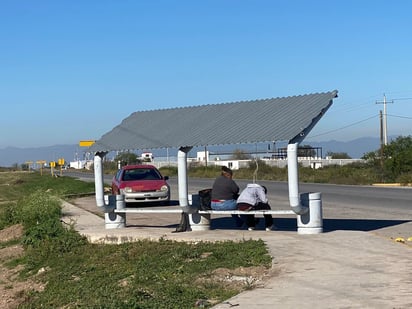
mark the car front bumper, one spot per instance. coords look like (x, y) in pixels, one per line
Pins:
(142, 197)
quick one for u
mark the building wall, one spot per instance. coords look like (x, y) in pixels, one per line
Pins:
(236, 164)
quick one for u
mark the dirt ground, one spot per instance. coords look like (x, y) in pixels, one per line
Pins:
(12, 289)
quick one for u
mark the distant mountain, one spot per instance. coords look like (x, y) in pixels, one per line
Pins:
(355, 148)
(12, 155)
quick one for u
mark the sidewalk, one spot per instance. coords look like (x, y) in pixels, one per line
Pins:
(339, 269)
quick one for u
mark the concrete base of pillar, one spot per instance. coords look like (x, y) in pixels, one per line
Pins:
(199, 222)
(308, 231)
(114, 220)
(312, 221)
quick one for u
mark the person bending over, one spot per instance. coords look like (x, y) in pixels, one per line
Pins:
(253, 197)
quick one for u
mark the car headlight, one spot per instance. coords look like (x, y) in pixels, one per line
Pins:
(164, 188)
(128, 190)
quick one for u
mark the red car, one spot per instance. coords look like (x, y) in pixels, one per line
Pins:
(141, 184)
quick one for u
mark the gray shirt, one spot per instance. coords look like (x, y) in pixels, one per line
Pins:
(224, 189)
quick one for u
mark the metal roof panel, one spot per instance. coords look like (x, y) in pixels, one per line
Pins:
(276, 119)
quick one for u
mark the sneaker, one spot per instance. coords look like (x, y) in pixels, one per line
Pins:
(251, 228)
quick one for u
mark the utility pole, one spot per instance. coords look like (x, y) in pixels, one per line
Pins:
(381, 137)
(385, 124)
(206, 156)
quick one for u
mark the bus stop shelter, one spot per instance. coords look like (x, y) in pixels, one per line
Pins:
(266, 120)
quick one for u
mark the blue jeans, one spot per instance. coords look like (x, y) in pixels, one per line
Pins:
(225, 205)
(228, 205)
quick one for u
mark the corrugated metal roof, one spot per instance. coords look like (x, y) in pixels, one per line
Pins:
(277, 119)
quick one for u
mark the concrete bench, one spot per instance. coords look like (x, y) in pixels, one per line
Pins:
(200, 220)
(211, 211)
(309, 222)
(248, 212)
(147, 210)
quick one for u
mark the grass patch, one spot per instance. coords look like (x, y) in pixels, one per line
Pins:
(144, 274)
(14, 185)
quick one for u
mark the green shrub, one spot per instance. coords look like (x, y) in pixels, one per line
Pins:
(8, 215)
(405, 179)
(168, 171)
(37, 208)
(205, 171)
(40, 214)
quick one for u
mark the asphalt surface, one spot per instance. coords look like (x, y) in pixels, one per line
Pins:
(340, 268)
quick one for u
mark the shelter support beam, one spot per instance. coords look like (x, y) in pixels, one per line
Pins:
(109, 202)
(308, 206)
(182, 177)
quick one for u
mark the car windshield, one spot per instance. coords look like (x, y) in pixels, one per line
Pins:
(141, 174)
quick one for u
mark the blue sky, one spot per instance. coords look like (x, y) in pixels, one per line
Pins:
(72, 70)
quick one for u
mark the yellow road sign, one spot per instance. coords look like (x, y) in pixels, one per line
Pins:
(86, 143)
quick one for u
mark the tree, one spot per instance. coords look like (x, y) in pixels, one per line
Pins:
(338, 155)
(393, 160)
(239, 154)
(398, 157)
(127, 158)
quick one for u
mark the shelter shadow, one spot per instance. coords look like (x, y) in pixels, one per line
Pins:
(329, 225)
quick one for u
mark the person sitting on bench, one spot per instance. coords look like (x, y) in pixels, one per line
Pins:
(224, 193)
(253, 197)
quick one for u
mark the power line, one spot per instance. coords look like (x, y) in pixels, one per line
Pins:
(399, 99)
(360, 121)
(397, 116)
(345, 127)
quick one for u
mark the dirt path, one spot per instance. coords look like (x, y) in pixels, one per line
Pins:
(12, 289)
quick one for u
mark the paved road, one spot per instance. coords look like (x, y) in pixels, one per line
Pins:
(386, 211)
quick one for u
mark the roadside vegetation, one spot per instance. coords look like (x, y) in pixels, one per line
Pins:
(55, 267)
(389, 164)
